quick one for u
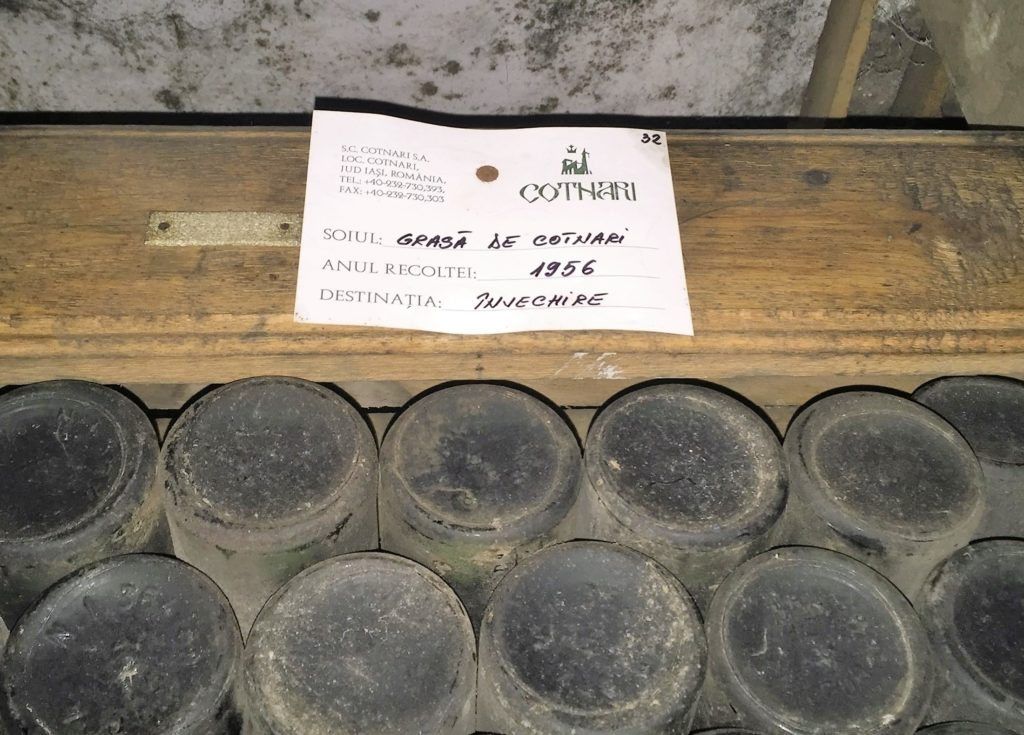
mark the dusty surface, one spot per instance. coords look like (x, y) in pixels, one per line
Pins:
(690, 459)
(264, 477)
(686, 57)
(687, 475)
(973, 607)
(485, 459)
(878, 479)
(989, 412)
(964, 728)
(472, 478)
(137, 644)
(360, 644)
(896, 31)
(589, 637)
(780, 663)
(979, 40)
(77, 462)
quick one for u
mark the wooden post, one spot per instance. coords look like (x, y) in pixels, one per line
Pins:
(924, 85)
(840, 50)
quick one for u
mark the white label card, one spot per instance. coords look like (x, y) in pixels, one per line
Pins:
(420, 226)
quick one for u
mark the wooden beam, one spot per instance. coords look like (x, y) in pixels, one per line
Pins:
(924, 85)
(837, 61)
(814, 259)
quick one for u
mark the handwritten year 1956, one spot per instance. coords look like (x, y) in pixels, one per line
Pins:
(550, 268)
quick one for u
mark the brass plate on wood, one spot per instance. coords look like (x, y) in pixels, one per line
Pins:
(224, 229)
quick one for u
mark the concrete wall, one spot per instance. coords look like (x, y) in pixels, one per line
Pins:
(668, 57)
(980, 43)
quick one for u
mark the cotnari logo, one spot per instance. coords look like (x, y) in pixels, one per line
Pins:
(576, 190)
(576, 166)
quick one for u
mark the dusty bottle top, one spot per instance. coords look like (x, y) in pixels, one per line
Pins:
(688, 465)
(987, 410)
(973, 606)
(807, 640)
(875, 466)
(725, 731)
(362, 644)
(267, 464)
(963, 728)
(77, 467)
(481, 460)
(70, 452)
(588, 636)
(133, 644)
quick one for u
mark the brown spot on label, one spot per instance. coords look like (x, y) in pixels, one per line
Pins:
(487, 173)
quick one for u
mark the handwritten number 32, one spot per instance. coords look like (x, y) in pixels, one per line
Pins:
(648, 138)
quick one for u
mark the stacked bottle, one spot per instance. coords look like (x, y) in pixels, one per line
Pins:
(590, 637)
(810, 641)
(265, 477)
(688, 475)
(362, 644)
(989, 412)
(578, 575)
(973, 607)
(473, 478)
(882, 479)
(77, 469)
(131, 644)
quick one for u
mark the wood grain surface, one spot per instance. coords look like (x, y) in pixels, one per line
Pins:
(813, 259)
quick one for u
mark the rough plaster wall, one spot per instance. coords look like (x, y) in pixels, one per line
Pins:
(671, 57)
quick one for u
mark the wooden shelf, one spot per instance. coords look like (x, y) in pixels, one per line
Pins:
(814, 259)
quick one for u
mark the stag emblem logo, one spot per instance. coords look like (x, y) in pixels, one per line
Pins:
(574, 166)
